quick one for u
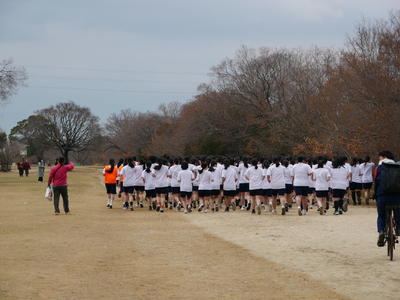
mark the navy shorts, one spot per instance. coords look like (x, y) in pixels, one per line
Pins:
(139, 188)
(267, 192)
(301, 190)
(215, 192)
(162, 190)
(204, 193)
(356, 186)
(195, 188)
(257, 192)
(321, 194)
(111, 188)
(243, 187)
(175, 190)
(338, 193)
(278, 192)
(128, 189)
(367, 185)
(289, 188)
(311, 190)
(221, 187)
(186, 195)
(150, 193)
(230, 193)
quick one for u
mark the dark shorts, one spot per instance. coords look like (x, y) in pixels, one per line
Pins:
(257, 192)
(367, 185)
(221, 187)
(278, 192)
(311, 190)
(150, 193)
(289, 188)
(128, 189)
(243, 187)
(267, 192)
(204, 193)
(111, 188)
(175, 190)
(356, 186)
(338, 193)
(139, 188)
(162, 190)
(195, 188)
(321, 194)
(186, 195)
(215, 192)
(301, 190)
(230, 193)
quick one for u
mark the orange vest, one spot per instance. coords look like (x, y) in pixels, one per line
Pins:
(110, 178)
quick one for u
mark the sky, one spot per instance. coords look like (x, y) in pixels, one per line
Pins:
(112, 55)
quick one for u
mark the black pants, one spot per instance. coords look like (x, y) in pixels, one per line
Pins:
(63, 191)
(21, 172)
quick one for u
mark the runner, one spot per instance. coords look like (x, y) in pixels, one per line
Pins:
(215, 186)
(161, 171)
(340, 177)
(276, 176)
(149, 185)
(110, 180)
(356, 181)
(321, 176)
(174, 170)
(129, 174)
(254, 175)
(300, 174)
(229, 178)
(367, 169)
(185, 179)
(243, 184)
(205, 180)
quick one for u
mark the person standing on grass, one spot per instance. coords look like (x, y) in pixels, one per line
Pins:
(58, 179)
(27, 167)
(41, 167)
(20, 167)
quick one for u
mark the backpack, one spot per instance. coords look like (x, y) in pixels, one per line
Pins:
(390, 178)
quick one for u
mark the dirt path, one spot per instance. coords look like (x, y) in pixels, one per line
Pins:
(97, 253)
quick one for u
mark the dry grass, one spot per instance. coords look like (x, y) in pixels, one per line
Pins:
(97, 253)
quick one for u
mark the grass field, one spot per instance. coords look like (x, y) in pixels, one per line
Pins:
(97, 253)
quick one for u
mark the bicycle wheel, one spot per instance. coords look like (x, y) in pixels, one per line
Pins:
(390, 235)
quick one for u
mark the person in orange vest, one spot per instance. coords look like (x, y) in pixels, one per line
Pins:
(110, 180)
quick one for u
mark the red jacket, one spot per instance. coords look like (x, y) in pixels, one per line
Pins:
(58, 174)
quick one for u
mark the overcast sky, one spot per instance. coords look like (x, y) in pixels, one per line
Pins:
(111, 55)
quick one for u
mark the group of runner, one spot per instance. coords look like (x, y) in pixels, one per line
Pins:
(214, 183)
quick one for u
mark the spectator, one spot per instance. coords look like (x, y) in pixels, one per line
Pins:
(20, 167)
(58, 178)
(27, 167)
(41, 168)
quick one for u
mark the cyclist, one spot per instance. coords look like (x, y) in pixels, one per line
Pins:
(383, 199)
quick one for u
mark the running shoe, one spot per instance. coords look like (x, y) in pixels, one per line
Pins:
(381, 240)
(110, 207)
(340, 211)
(253, 211)
(200, 208)
(141, 205)
(243, 207)
(304, 212)
(161, 210)
(321, 211)
(274, 211)
(205, 211)
(286, 208)
(336, 213)
(217, 209)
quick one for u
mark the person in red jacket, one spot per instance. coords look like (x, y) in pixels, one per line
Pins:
(58, 179)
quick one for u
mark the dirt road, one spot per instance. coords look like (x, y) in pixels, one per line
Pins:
(97, 253)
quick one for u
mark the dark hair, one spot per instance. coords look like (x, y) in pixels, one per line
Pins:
(120, 162)
(130, 163)
(386, 154)
(300, 159)
(184, 165)
(112, 164)
(61, 160)
(338, 162)
(203, 166)
(276, 161)
(159, 165)
(228, 162)
(212, 164)
(285, 163)
(254, 162)
(320, 164)
(148, 167)
(367, 158)
(245, 162)
(355, 161)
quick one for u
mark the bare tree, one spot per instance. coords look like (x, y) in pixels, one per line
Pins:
(10, 78)
(69, 127)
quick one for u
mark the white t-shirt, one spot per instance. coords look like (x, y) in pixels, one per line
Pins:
(356, 174)
(266, 185)
(174, 171)
(277, 176)
(138, 180)
(215, 180)
(300, 173)
(231, 177)
(366, 171)
(149, 180)
(162, 177)
(288, 176)
(255, 177)
(242, 171)
(205, 180)
(129, 175)
(339, 178)
(322, 177)
(185, 178)
(196, 170)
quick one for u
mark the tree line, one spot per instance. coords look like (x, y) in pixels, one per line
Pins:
(261, 102)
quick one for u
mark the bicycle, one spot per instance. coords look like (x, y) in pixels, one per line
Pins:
(390, 234)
